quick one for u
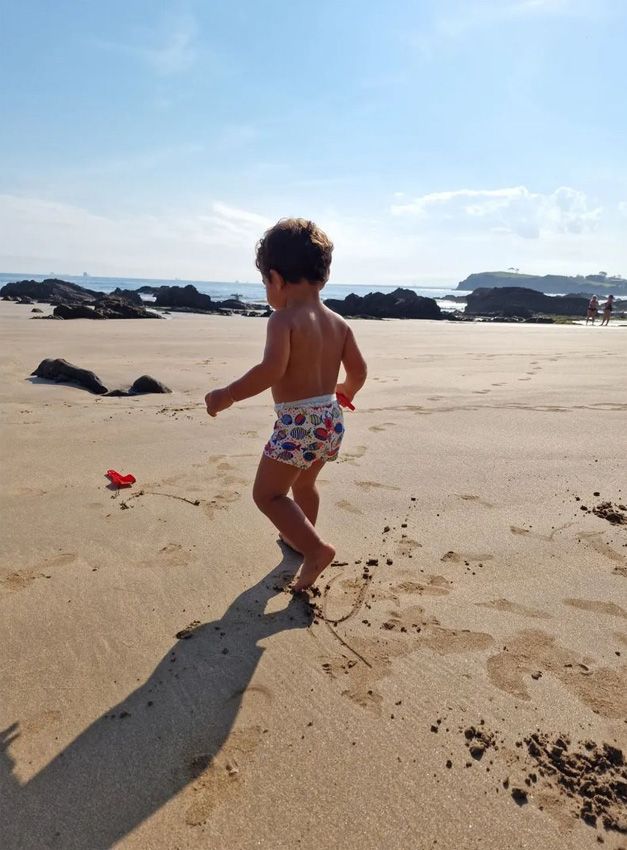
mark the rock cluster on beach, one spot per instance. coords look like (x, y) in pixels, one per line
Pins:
(498, 303)
(400, 304)
(62, 372)
(72, 301)
(516, 301)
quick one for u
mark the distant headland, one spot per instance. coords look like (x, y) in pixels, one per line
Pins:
(552, 284)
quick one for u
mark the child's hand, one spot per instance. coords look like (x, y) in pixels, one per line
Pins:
(218, 400)
(342, 389)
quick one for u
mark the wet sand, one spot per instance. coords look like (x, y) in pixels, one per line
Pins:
(161, 689)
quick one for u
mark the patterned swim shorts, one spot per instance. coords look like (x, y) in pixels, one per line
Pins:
(306, 431)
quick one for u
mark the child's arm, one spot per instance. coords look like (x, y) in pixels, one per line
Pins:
(260, 377)
(355, 366)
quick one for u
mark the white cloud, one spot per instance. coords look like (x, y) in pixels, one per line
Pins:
(171, 52)
(459, 232)
(215, 241)
(513, 209)
(456, 20)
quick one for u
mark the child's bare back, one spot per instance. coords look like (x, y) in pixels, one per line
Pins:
(306, 345)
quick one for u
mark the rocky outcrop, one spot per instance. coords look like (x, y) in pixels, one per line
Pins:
(143, 385)
(75, 311)
(131, 295)
(400, 304)
(107, 307)
(111, 307)
(61, 371)
(50, 291)
(523, 303)
(175, 297)
(593, 284)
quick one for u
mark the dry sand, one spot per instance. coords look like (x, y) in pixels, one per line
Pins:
(496, 602)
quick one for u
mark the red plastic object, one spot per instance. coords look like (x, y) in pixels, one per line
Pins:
(120, 480)
(345, 402)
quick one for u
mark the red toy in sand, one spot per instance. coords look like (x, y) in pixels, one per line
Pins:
(344, 402)
(120, 480)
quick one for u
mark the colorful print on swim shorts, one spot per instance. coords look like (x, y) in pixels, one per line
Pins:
(304, 435)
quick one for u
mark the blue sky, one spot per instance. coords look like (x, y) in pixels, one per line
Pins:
(431, 138)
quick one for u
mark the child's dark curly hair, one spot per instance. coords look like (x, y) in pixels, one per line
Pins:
(297, 249)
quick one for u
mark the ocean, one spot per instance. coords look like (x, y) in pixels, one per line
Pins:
(250, 292)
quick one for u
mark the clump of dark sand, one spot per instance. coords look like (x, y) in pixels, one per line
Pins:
(616, 514)
(478, 741)
(592, 776)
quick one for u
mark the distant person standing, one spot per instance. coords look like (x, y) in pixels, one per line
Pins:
(593, 309)
(607, 310)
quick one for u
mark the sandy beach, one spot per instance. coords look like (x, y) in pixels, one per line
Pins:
(162, 691)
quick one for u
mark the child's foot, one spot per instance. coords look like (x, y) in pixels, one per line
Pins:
(314, 565)
(289, 543)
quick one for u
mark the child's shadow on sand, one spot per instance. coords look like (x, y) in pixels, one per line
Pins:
(122, 769)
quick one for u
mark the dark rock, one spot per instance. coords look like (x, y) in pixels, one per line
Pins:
(24, 299)
(233, 304)
(143, 385)
(78, 311)
(519, 795)
(148, 290)
(400, 304)
(110, 307)
(147, 384)
(520, 302)
(61, 371)
(188, 296)
(50, 291)
(36, 310)
(131, 295)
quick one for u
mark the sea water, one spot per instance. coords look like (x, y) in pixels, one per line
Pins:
(253, 293)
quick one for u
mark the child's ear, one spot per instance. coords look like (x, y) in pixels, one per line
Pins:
(276, 279)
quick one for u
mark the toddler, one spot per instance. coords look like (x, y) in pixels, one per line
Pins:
(306, 344)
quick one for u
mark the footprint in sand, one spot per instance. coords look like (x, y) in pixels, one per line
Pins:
(595, 541)
(463, 557)
(40, 722)
(383, 427)
(406, 546)
(471, 497)
(603, 689)
(375, 485)
(366, 661)
(20, 579)
(526, 532)
(355, 455)
(514, 608)
(433, 585)
(216, 778)
(171, 555)
(345, 505)
(596, 607)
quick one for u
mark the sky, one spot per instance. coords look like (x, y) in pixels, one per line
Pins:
(429, 138)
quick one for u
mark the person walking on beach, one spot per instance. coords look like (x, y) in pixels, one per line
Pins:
(593, 309)
(306, 344)
(607, 310)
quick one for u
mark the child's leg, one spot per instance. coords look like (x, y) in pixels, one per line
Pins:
(272, 484)
(306, 496)
(305, 491)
